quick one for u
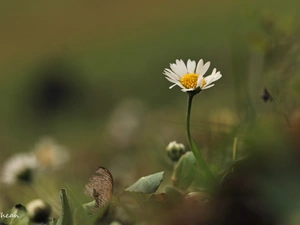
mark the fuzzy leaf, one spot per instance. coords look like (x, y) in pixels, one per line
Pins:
(148, 184)
(185, 171)
(52, 221)
(90, 213)
(66, 217)
(18, 216)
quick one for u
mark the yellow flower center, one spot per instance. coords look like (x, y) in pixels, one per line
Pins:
(189, 80)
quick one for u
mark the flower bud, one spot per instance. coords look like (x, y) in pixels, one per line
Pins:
(175, 150)
(38, 211)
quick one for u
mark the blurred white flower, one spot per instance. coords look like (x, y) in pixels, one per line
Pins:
(190, 77)
(125, 122)
(19, 168)
(49, 154)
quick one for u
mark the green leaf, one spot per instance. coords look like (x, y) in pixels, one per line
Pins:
(16, 216)
(148, 184)
(210, 178)
(91, 207)
(66, 217)
(185, 171)
(52, 221)
(90, 213)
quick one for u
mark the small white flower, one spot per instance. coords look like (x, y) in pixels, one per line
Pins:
(21, 167)
(190, 77)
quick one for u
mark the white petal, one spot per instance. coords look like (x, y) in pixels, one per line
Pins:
(216, 77)
(191, 66)
(209, 79)
(209, 86)
(175, 82)
(179, 84)
(170, 74)
(184, 89)
(214, 71)
(203, 70)
(199, 81)
(199, 66)
(187, 89)
(179, 68)
(171, 80)
(175, 69)
(190, 89)
(213, 77)
(177, 61)
(182, 66)
(172, 86)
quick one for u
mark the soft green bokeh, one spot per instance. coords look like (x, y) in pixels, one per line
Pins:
(109, 57)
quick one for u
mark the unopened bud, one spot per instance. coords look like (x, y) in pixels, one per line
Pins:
(175, 150)
(38, 211)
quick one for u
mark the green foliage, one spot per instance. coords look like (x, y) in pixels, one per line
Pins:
(16, 216)
(90, 213)
(186, 172)
(266, 180)
(91, 207)
(148, 184)
(52, 221)
(66, 217)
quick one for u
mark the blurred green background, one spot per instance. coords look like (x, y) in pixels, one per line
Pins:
(78, 70)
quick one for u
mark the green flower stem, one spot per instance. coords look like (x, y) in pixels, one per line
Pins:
(193, 145)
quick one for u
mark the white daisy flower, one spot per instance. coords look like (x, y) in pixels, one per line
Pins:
(21, 167)
(191, 77)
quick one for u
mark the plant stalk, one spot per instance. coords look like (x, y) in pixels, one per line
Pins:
(192, 144)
